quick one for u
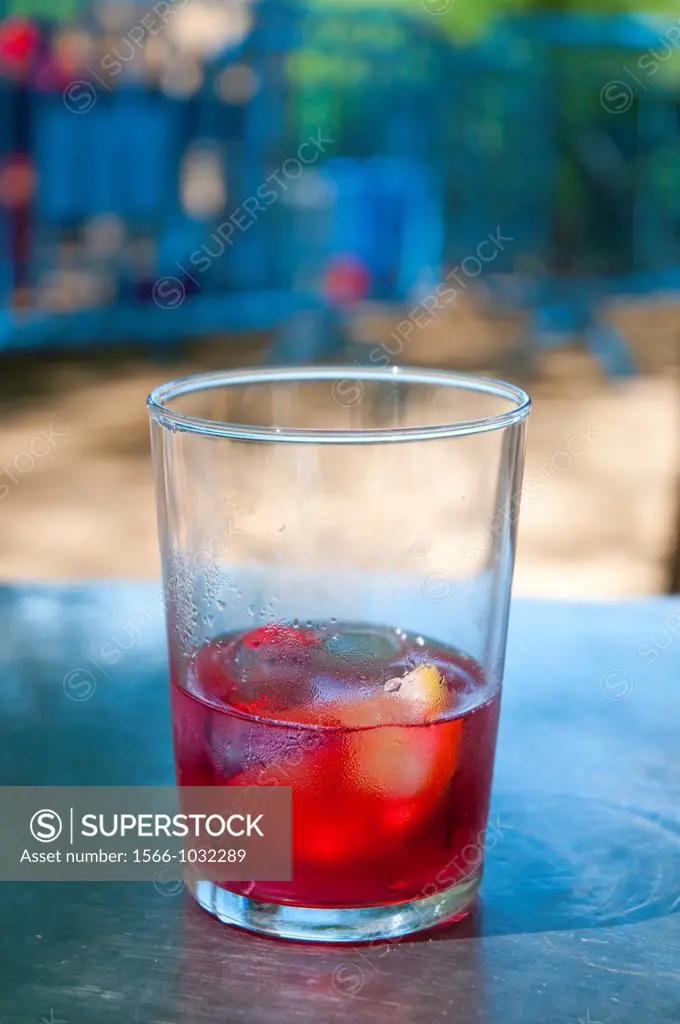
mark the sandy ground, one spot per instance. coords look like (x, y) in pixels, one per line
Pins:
(76, 499)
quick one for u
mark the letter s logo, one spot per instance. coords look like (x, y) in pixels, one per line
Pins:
(46, 826)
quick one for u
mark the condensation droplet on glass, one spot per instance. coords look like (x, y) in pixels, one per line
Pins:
(392, 685)
(296, 623)
(251, 611)
(420, 641)
(209, 621)
(221, 605)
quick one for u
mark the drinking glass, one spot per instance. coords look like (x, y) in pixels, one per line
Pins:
(337, 555)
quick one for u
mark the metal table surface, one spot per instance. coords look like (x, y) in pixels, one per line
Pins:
(578, 919)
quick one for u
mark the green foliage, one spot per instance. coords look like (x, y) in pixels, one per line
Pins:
(57, 10)
(462, 18)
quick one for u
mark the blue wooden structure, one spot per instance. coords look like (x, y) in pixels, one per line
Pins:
(553, 130)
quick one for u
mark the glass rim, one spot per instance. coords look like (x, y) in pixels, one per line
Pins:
(171, 419)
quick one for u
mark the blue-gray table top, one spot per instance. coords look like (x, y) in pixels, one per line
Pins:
(579, 917)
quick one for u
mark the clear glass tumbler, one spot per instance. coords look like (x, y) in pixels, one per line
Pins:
(338, 555)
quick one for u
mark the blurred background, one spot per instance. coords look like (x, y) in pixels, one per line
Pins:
(490, 186)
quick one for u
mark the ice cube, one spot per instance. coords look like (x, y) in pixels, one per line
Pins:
(277, 642)
(396, 749)
(370, 645)
(328, 688)
(404, 762)
(273, 665)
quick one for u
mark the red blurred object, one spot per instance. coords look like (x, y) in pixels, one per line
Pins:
(347, 281)
(19, 40)
(17, 182)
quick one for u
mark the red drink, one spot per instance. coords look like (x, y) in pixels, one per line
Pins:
(386, 739)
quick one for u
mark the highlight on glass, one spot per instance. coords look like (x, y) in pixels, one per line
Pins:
(338, 548)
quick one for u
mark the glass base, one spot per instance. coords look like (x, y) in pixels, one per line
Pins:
(358, 924)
